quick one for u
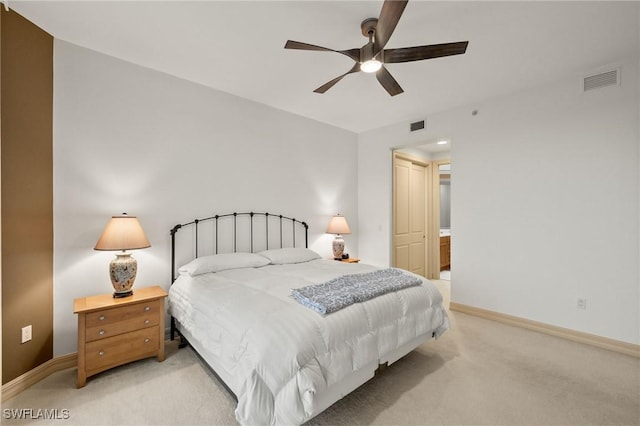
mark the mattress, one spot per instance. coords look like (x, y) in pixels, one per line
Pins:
(284, 362)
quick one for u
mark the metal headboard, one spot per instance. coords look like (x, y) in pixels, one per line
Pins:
(276, 221)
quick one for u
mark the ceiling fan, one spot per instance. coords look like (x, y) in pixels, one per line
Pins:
(372, 56)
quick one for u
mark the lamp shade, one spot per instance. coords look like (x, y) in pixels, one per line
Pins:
(122, 233)
(338, 225)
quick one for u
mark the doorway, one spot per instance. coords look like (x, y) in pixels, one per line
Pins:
(443, 185)
(421, 218)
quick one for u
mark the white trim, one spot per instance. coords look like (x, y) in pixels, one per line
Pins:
(576, 336)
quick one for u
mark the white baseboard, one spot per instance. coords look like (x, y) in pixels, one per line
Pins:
(31, 377)
(576, 336)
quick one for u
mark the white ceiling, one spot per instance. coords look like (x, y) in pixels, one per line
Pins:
(237, 47)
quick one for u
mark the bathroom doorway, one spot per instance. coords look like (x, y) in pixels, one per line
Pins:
(435, 156)
(444, 199)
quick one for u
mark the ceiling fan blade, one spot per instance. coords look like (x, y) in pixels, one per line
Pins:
(328, 85)
(388, 82)
(389, 17)
(418, 53)
(352, 53)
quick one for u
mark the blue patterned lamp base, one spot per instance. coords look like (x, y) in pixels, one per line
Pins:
(338, 247)
(122, 271)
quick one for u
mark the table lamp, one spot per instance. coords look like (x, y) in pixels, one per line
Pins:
(338, 226)
(123, 233)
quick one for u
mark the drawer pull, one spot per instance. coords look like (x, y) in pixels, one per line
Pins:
(101, 332)
(101, 353)
(147, 340)
(147, 308)
(101, 318)
(146, 321)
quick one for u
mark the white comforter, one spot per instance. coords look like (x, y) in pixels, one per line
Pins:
(279, 354)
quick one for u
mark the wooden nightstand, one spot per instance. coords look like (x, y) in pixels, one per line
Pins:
(350, 260)
(113, 332)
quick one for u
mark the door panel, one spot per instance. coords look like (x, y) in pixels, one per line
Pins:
(402, 257)
(416, 260)
(416, 198)
(402, 175)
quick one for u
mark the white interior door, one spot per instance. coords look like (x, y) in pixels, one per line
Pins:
(409, 203)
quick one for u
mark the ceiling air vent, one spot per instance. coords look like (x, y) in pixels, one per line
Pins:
(604, 79)
(418, 125)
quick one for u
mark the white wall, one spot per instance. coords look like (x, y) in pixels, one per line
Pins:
(129, 139)
(545, 203)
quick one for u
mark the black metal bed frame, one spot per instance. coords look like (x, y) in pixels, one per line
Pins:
(268, 217)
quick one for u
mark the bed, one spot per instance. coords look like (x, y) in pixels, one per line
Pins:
(231, 300)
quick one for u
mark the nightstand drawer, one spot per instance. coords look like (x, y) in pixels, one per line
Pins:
(113, 329)
(106, 353)
(123, 313)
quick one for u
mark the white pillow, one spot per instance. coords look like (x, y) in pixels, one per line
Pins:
(289, 255)
(222, 262)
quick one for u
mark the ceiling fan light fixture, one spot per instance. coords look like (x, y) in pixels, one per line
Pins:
(371, 57)
(372, 65)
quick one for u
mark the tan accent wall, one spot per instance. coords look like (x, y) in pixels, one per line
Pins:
(26, 157)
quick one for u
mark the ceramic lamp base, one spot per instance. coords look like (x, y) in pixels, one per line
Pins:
(122, 271)
(338, 247)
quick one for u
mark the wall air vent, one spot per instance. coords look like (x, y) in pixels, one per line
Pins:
(603, 79)
(418, 125)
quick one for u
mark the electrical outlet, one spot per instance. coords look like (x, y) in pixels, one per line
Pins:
(26, 334)
(582, 304)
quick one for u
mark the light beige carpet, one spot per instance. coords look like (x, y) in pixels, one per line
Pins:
(478, 373)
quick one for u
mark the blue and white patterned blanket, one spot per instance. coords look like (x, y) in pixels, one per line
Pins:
(343, 291)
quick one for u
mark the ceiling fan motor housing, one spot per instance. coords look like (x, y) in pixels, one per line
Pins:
(368, 26)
